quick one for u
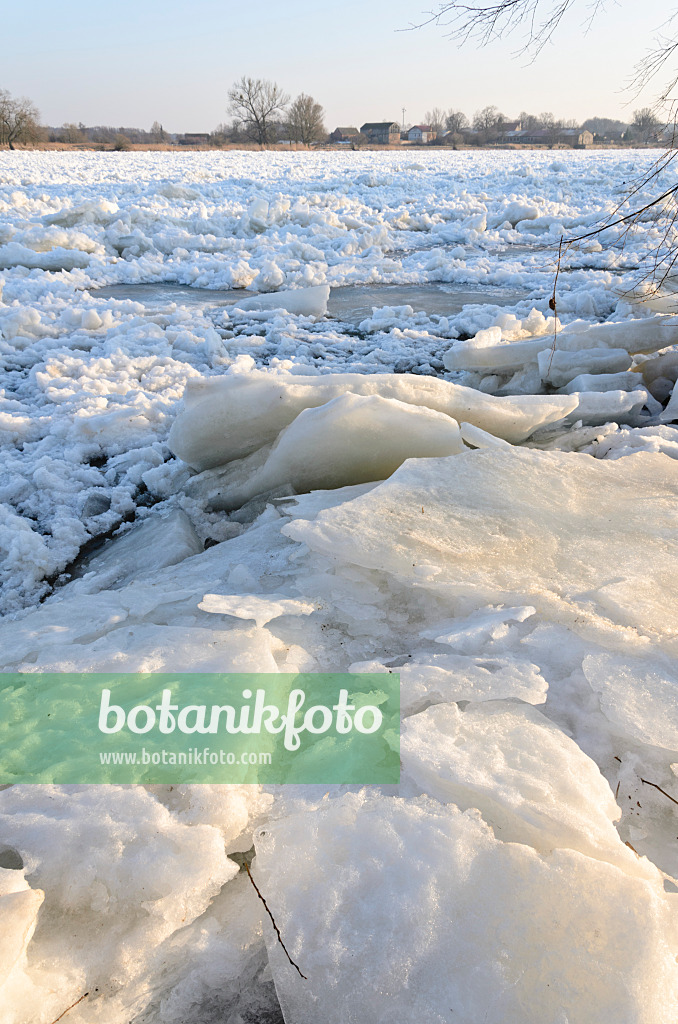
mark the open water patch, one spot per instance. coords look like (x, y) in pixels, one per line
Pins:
(349, 304)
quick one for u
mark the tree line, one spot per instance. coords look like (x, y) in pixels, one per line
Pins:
(488, 125)
(262, 112)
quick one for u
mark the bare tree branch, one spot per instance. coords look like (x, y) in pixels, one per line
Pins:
(475, 19)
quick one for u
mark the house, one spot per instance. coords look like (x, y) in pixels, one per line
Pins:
(575, 137)
(421, 133)
(516, 135)
(344, 135)
(381, 133)
(612, 136)
(509, 127)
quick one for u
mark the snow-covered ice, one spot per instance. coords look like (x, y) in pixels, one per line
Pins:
(222, 451)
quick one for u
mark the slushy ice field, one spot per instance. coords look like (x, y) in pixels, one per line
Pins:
(268, 412)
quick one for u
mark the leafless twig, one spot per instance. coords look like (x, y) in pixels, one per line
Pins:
(654, 784)
(70, 1007)
(473, 19)
(277, 930)
(553, 305)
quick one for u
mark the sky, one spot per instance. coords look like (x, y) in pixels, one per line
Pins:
(132, 62)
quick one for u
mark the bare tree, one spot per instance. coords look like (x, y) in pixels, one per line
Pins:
(158, 133)
(603, 126)
(529, 122)
(551, 125)
(486, 123)
(258, 106)
(456, 122)
(305, 120)
(222, 134)
(645, 123)
(436, 118)
(18, 120)
(70, 132)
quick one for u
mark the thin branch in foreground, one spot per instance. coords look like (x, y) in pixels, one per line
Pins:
(68, 1008)
(485, 21)
(553, 306)
(277, 930)
(654, 784)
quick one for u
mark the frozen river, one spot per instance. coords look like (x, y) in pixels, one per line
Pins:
(312, 412)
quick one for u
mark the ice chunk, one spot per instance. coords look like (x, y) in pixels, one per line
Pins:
(670, 413)
(299, 302)
(228, 417)
(515, 211)
(19, 906)
(598, 407)
(153, 544)
(500, 356)
(602, 382)
(350, 440)
(120, 875)
(479, 438)
(529, 780)
(486, 352)
(410, 911)
(441, 678)
(665, 365)
(57, 258)
(579, 538)
(147, 647)
(559, 368)
(249, 606)
(648, 334)
(257, 214)
(483, 626)
(639, 696)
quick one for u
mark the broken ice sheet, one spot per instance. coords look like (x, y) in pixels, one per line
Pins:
(582, 540)
(412, 910)
(427, 679)
(225, 418)
(638, 696)
(470, 634)
(249, 606)
(157, 542)
(351, 439)
(529, 780)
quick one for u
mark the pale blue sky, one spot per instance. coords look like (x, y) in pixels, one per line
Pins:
(134, 61)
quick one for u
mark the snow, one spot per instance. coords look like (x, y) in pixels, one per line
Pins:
(268, 412)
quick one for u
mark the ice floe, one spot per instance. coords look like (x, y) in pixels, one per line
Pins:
(279, 412)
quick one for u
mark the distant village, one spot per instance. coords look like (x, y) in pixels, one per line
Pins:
(452, 130)
(264, 116)
(382, 133)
